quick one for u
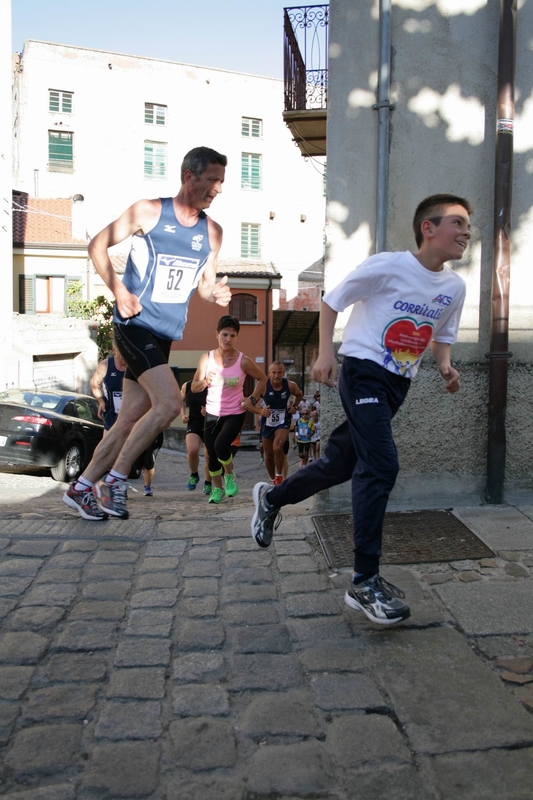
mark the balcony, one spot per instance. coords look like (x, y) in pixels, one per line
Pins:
(306, 77)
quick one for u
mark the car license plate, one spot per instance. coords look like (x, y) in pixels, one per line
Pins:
(3, 440)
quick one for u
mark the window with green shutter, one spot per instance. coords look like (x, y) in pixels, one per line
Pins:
(60, 151)
(252, 128)
(154, 114)
(44, 294)
(60, 102)
(155, 160)
(251, 171)
(250, 240)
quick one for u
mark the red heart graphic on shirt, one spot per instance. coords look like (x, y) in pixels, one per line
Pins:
(406, 340)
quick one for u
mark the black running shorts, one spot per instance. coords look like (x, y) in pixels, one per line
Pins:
(140, 349)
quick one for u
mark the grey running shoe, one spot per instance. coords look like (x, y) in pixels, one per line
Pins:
(84, 502)
(266, 518)
(376, 598)
(111, 498)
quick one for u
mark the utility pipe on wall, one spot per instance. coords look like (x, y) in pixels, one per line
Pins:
(501, 269)
(383, 107)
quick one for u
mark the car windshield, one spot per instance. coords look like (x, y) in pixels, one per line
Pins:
(29, 398)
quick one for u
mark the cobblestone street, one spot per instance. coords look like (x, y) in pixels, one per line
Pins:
(167, 657)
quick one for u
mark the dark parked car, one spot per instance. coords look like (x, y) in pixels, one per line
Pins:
(49, 428)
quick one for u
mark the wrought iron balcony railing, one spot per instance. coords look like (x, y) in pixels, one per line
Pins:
(306, 58)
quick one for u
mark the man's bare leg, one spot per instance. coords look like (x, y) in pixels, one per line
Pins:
(268, 448)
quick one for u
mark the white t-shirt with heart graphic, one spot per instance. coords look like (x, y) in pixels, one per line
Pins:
(399, 307)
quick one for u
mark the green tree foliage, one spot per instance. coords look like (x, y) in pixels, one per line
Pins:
(99, 311)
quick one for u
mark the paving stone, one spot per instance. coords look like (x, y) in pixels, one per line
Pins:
(482, 776)
(199, 667)
(83, 668)
(141, 683)
(159, 564)
(204, 553)
(279, 714)
(22, 647)
(115, 557)
(50, 595)
(512, 677)
(139, 652)
(468, 576)
(73, 559)
(195, 701)
(308, 582)
(248, 593)
(4, 543)
(260, 639)
(198, 607)
(150, 622)
(302, 769)
(265, 671)
(123, 545)
(525, 695)
(394, 783)
(6, 606)
(87, 636)
(59, 702)
(338, 692)
(292, 548)
(156, 580)
(135, 720)
(85, 545)
(203, 634)
(44, 749)
(507, 646)
(48, 575)
(8, 714)
(250, 575)
(258, 558)
(123, 769)
(365, 738)
(215, 789)
(333, 659)
(106, 590)
(63, 791)
(517, 570)
(490, 608)
(106, 572)
(510, 555)
(14, 586)
(520, 665)
(14, 681)
(32, 547)
(166, 548)
(311, 605)
(437, 663)
(33, 618)
(297, 564)
(98, 609)
(234, 545)
(20, 567)
(154, 598)
(317, 629)
(437, 577)
(202, 569)
(203, 743)
(251, 614)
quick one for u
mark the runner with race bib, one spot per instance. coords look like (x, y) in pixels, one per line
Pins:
(276, 420)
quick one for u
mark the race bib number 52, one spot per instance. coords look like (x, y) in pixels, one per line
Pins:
(175, 278)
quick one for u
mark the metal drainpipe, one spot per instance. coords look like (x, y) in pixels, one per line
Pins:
(383, 107)
(267, 325)
(501, 271)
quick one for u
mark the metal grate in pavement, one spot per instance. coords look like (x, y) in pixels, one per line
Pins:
(409, 537)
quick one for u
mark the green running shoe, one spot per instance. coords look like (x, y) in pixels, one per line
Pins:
(216, 496)
(231, 486)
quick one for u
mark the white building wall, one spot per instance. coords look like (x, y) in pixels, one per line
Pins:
(442, 139)
(6, 230)
(205, 107)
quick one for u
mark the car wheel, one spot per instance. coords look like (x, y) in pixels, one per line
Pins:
(70, 465)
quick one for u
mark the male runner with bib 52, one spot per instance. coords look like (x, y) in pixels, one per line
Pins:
(276, 420)
(174, 251)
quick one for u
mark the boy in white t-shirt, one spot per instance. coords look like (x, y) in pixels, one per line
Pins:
(402, 303)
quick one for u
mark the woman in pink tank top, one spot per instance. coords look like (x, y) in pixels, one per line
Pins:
(223, 372)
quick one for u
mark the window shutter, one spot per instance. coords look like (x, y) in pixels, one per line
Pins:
(26, 294)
